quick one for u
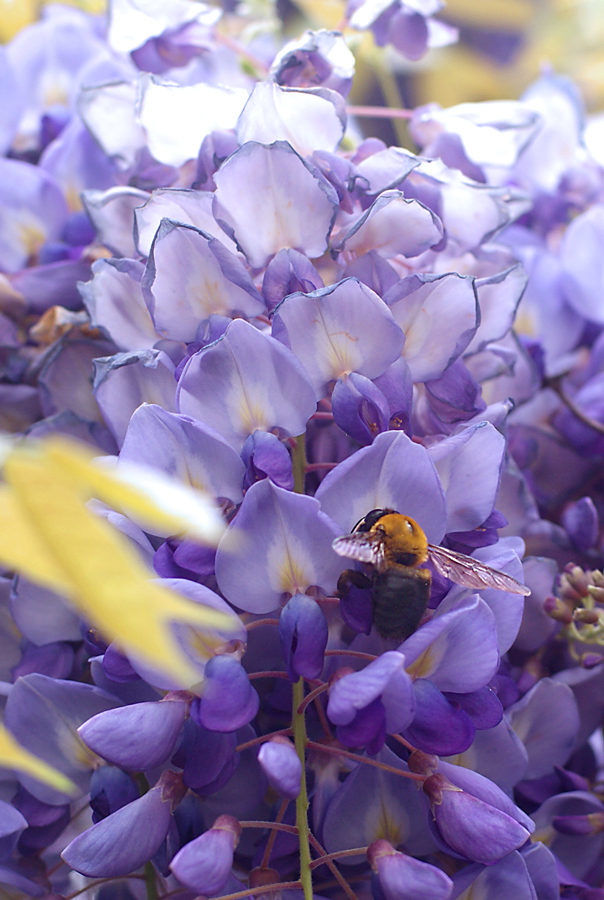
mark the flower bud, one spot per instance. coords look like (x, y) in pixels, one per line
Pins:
(128, 838)
(470, 826)
(593, 823)
(138, 736)
(303, 635)
(281, 765)
(204, 864)
(402, 877)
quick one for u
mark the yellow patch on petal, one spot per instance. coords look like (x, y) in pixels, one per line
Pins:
(423, 666)
(14, 756)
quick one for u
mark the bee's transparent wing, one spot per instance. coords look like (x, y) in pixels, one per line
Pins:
(361, 546)
(471, 572)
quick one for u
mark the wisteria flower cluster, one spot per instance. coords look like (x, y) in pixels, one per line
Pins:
(208, 270)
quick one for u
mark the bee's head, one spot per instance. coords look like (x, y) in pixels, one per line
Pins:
(403, 540)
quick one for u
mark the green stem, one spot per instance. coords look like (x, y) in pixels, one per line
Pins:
(299, 463)
(150, 881)
(299, 728)
(393, 99)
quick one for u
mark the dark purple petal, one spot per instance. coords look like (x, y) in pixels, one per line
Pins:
(228, 700)
(303, 633)
(437, 726)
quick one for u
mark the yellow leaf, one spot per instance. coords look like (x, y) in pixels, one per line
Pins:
(99, 570)
(14, 756)
(21, 547)
(152, 499)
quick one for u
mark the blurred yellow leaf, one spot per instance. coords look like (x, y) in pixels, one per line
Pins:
(50, 536)
(152, 499)
(14, 756)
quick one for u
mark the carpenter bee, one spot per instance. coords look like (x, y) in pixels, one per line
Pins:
(394, 547)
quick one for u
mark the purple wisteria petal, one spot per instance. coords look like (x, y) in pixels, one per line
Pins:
(12, 109)
(110, 790)
(135, 737)
(394, 473)
(498, 298)
(303, 633)
(472, 827)
(546, 720)
(133, 24)
(439, 315)
(283, 206)
(176, 118)
(12, 823)
(204, 864)
(281, 765)
(228, 700)
(318, 58)
(498, 754)
(278, 544)
(265, 456)
(185, 449)
(577, 853)
(183, 206)
(392, 225)
(457, 651)
(509, 877)
(580, 520)
(469, 465)
(114, 300)
(208, 758)
(537, 626)
(289, 271)
(123, 841)
(582, 262)
(43, 714)
(109, 113)
(390, 806)
(402, 877)
(438, 727)
(506, 608)
(76, 162)
(42, 616)
(33, 211)
(112, 214)
(386, 678)
(190, 276)
(387, 168)
(309, 119)
(492, 133)
(359, 408)
(243, 382)
(124, 381)
(54, 659)
(338, 330)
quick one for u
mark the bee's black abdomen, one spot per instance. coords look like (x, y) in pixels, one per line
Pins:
(400, 598)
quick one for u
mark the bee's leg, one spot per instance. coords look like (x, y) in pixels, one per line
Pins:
(351, 578)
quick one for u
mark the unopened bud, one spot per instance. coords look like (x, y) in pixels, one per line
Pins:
(586, 616)
(591, 660)
(596, 593)
(579, 825)
(556, 609)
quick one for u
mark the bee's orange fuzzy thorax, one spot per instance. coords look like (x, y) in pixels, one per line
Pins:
(403, 535)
